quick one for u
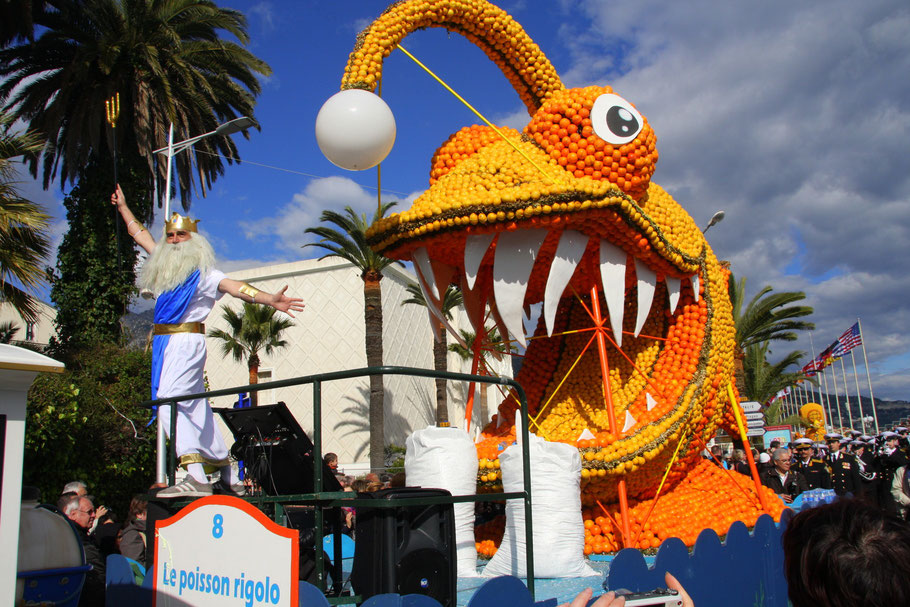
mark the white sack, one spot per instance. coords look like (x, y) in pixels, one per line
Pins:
(559, 532)
(446, 458)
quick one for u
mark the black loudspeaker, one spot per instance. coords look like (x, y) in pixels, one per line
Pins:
(275, 450)
(405, 549)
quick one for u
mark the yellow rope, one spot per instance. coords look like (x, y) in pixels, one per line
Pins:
(563, 380)
(479, 115)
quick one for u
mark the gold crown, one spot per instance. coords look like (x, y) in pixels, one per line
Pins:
(179, 222)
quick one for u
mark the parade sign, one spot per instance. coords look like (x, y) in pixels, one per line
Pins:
(782, 433)
(750, 406)
(222, 551)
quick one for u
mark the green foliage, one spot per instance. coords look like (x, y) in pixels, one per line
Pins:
(394, 458)
(171, 61)
(85, 424)
(349, 240)
(92, 284)
(763, 380)
(24, 225)
(768, 316)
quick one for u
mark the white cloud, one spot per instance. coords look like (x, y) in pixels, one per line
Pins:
(303, 211)
(794, 119)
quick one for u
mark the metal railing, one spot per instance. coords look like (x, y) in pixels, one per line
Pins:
(322, 499)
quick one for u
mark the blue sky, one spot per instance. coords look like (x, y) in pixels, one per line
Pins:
(794, 119)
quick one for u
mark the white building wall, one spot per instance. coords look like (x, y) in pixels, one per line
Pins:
(42, 330)
(329, 336)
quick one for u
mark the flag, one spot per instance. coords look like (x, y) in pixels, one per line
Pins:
(811, 368)
(846, 342)
(824, 359)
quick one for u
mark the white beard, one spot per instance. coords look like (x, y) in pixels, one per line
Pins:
(169, 265)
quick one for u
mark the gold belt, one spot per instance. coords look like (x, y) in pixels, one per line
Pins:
(182, 327)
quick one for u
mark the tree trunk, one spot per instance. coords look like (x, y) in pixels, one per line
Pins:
(253, 364)
(372, 315)
(441, 363)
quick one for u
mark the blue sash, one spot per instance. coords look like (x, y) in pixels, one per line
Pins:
(169, 309)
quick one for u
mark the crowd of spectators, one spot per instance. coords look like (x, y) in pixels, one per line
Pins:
(872, 468)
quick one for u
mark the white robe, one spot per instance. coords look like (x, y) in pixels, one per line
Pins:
(198, 438)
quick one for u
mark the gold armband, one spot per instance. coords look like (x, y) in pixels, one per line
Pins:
(250, 290)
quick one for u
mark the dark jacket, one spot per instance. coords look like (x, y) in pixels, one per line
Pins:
(133, 540)
(793, 486)
(844, 473)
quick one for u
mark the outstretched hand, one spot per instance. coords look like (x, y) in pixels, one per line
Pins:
(286, 304)
(117, 198)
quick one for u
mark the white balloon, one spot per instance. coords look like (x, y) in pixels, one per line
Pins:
(355, 129)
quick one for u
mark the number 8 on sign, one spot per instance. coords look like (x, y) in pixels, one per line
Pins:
(217, 526)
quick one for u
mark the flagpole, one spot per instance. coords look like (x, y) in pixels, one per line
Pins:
(843, 371)
(840, 418)
(859, 396)
(827, 398)
(862, 342)
(817, 371)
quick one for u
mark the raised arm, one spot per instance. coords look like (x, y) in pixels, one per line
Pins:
(279, 300)
(133, 227)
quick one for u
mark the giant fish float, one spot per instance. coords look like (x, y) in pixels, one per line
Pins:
(565, 214)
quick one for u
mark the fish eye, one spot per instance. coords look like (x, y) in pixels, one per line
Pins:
(615, 120)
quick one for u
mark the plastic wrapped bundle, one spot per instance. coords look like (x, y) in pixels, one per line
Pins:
(559, 535)
(445, 458)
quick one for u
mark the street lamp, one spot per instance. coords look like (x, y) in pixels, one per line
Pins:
(228, 128)
(715, 219)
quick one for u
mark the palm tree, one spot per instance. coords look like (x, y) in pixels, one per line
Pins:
(348, 242)
(767, 317)
(256, 329)
(763, 379)
(8, 332)
(451, 299)
(23, 227)
(167, 61)
(491, 343)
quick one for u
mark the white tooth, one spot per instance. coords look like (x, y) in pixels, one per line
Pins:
(425, 269)
(443, 274)
(695, 287)
(515, 255)
(434, 326)
(673, 292)
(433, 302)
(474, 309)
(613, 277)
(585, 435)
(647, 282)
(571, 248)
(630, 421)
(503, 331)
(475, 247)
(650, 400)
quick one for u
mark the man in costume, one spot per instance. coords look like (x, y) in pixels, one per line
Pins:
(180, 271)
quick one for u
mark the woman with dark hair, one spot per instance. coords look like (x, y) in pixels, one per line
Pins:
(133, 540)
(846, 554)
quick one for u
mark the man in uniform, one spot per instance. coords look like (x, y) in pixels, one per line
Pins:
(813, 469)
(842, 466)
(868, 470)
(889, 460)
(180, 270)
